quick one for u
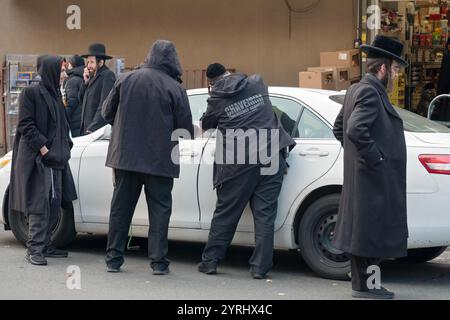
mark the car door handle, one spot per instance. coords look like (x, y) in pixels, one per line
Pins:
(186, 153)
(314, 153)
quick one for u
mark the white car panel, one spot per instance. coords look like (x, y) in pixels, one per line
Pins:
(428, 195)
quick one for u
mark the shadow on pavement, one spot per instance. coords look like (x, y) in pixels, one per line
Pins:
(434, 272)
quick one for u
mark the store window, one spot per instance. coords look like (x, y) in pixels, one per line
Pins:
(423, 28)
(21, 72)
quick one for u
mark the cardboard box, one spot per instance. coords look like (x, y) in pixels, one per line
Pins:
(341, 76)
(317, 79)
(344, 58)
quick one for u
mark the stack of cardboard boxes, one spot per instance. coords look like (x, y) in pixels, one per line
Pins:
(337, 71)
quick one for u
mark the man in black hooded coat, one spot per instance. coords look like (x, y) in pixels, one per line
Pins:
(145, 107)
(72, 87)
(40, 170)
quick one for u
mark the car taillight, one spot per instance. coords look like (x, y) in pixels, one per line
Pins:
(436, 163)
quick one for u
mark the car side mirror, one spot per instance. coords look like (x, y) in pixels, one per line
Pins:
(432, 104)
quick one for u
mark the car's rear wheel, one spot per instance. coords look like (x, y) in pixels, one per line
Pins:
(315, 235)
(63, 234)
(423, 255)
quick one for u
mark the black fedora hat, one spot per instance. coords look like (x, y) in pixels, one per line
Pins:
(98, 50)
(385, 47)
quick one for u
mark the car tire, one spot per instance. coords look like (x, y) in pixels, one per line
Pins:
(315, 235)
(423, 255)
(64, 232)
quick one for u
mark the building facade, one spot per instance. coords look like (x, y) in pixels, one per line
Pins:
(270, 37)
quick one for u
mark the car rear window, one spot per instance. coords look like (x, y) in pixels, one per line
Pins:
(412, 122)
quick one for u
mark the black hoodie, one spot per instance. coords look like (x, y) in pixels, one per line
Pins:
(49, 68)
(163, 56)
(240, 102)
(72, 87)
(58, 144)
(145, 107)
(41, 123)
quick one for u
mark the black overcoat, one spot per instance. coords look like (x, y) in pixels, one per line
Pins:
(372, 220)
(92, 96)
(73, 109)
(145, 107)
(30, 179)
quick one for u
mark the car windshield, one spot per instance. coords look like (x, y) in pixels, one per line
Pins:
(411, 121)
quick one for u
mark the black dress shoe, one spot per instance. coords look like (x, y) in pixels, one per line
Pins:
(161, 271)
(381, 293)
(207, 269)
(258, 276)
(112, 269)
(37, 260)
(52, 252)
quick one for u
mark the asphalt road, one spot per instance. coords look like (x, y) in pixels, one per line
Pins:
(290, 279)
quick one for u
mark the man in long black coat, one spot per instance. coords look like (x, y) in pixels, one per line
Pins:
(98, 82)
(72, 87)
(40, 176)
(372, 220)
(145, 107)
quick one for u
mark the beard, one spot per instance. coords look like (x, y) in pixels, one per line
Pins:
(388, 81)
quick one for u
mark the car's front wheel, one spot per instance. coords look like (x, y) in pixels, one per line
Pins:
(63, 234)
(315, 236)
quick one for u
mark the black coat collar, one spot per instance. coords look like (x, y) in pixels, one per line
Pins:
(97, 75)
(374, 81)
(49, 101)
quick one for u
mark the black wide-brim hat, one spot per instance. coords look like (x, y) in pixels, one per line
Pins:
(98, 50)
(385, 47)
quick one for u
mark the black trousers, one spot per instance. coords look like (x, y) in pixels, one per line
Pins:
(127, 190)
(232, 197)
(41, 226)
(359, 266)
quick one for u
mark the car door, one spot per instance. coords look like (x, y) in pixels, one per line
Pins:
(315, 153)
(96, 186)
(95, 182)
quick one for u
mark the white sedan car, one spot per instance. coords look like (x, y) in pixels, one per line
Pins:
(308, 202)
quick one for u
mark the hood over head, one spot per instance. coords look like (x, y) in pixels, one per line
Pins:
(39, 61)
(76, 61)
(77, 71)
(229, 85)
(163, 56)
(50, 72)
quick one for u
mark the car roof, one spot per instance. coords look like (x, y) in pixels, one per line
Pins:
(316, 99)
